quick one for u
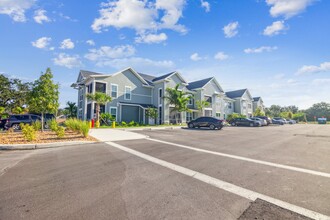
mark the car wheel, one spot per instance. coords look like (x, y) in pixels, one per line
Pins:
(212, 126)
(15, 127)
(219, 128)
(233, 124)
(191, 125)
(251, 124)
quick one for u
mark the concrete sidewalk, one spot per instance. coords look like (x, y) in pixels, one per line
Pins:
(115, 135)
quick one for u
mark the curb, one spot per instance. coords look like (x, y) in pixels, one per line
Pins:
(42, 145)
(150, 128)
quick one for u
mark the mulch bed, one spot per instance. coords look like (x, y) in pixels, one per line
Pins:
(42, 137)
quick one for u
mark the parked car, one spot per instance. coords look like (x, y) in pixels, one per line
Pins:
(281, 119)
(291, 121)
(47, 116)
(13, 121)
(268, 119)
(2, 124)
(322, 120)
(263, 122)
(245, 122)
(210, 122)
(278, 121)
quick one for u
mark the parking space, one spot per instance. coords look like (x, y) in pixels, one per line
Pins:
(288, 163)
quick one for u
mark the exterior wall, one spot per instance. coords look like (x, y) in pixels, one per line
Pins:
(246, 109)
(159, 101)
(259, 104)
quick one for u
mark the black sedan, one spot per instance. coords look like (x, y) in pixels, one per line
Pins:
(245, 122)
(209, 122)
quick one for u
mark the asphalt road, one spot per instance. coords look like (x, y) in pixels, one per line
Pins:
(99, 181)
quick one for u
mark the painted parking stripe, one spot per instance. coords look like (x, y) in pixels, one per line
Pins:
(297, 169)
(248, 194)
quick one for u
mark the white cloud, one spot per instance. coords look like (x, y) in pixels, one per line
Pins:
(230, 30)
(90, 42)
(151, 38)
(196, 57)
(105, 53)
(318, 82)
(323, 67)
(16, 8)
(260, 49)
(221, 56)
(67, 44)
(275, 28)
(279, 76)
(206, 5)
(40, 16)
(68, 61)
(141, 15)
(42, 43)
(287, 8)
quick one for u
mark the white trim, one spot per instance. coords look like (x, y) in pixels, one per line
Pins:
(130, 93)
(112, 84)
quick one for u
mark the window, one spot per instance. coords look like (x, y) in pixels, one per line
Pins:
(100, 87)
(160, 93)
(128, 93)
(209, 99)
(113, 112)
(102, 108)
(218, 115)
(229, 105)
(114, 90)
(90, 88)
(249, 106)
(191, 101)
(188, 116)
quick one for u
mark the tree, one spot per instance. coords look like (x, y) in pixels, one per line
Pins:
(44, 95)
(152, 113)
(319, 110)
(232, 116)
(179, 99)
(201, 104)
(13, 93)
(71, 109)
(100, 99)
(259, 112)
(273, 111)
(291, 108)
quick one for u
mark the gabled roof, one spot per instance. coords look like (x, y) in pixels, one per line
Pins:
(198, 84)
(236, 93)
(255, 99)
(162, 77)
(147, 78)
(86, 73)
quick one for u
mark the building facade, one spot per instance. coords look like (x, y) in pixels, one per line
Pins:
(133, 93)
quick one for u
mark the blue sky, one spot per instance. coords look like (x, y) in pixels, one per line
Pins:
(279, 49)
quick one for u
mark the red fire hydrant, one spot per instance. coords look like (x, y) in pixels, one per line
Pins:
(93, 123)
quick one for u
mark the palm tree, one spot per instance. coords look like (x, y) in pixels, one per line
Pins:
(201, 105)
(100, 99)
(179, 99)
(72, 109)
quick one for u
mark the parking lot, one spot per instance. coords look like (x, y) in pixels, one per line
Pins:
(237, 172)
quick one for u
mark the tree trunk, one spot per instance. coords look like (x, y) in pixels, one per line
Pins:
(97, 112)
(42, 121)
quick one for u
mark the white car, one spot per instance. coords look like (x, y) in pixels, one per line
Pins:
(263, 122)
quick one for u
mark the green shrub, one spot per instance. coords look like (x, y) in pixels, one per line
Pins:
(132, 123)
(84, 128)
(36, 125)
(60, 132)
(28, 132)
(53, 125)
(78, 126)
(124, 124)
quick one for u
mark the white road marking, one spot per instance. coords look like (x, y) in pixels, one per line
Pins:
(302, 170)
(248, 194)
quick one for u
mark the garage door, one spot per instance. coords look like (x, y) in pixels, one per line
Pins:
(130, 113)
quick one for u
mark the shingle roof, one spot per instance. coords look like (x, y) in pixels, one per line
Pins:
(236, 93)
(198, 84)
(147, 78)
(86, 73)
(256, 99)
(162, 77)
